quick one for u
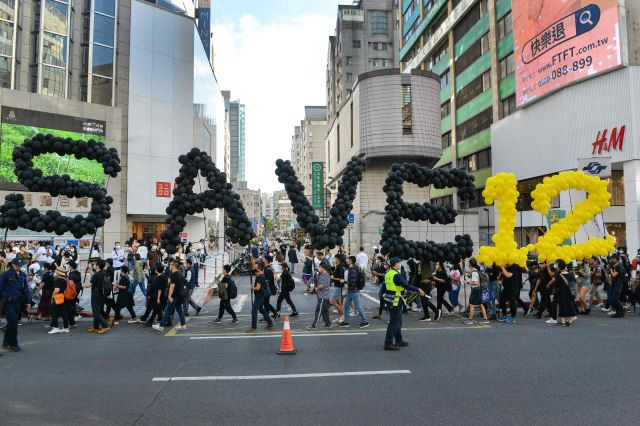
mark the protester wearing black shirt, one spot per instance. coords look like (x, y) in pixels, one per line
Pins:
(542, 286)
(97, 284)
(125, 298)
(271, 282)
(617, 273)
(225, 297)
(59, 309)
(286, 288)
(76, 278)
(443, 285)
(510, 287)
(174, 297)
(157, 285)
(259, 298)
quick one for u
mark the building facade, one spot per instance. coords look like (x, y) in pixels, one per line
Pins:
(389, 117)
(366, 38)
(252, 202)
(236, 149)
(83, 70)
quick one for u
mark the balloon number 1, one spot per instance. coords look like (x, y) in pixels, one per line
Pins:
(548, 246)
(503, 188)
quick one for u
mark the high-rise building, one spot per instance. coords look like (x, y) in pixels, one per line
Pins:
(366, 38)
(236, 141)
(133, 74)
(505, 107)
(308, 155)
(252, 203)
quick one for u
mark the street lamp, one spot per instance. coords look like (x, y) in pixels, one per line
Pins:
(488, 231)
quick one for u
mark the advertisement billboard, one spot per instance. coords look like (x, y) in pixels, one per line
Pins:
(18, 125)
(317, 185)
(558, 42)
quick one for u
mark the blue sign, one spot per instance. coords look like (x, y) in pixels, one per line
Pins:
(594, 168)
(204, 28)
(352, 218)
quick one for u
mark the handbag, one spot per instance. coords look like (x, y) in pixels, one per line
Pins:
(58, 298)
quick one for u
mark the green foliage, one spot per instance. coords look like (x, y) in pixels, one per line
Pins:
(83, 169)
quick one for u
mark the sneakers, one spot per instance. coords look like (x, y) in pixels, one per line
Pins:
(353, 314)
(64, 330)
(605, 309)
(502, 319)
(310, 327)
(55, 330)
(198, 310)
(468, 322)
(133, 321)
(181, 327)
(611, 313)
(550, 321)
(235, 321)
(390, 348)
(294, 314)
(401, 344)
(414, 309)
(438, 315)
(157, 327)
(511, 320)
(343, 324)
(327, 325)
(77, 317)
(424, 319)
(527, 312)
(364, 325)
(484, 321)
(217, 321)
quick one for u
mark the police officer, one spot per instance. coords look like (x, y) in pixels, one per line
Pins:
(395, 284)
(13, 291)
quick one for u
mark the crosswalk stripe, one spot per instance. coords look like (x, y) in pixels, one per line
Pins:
(282, 376)
(240, 301)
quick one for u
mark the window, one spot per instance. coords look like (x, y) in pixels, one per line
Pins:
(471, 55)
(427, 5)
(349, 76)
(446, 140)
(99, 52)
(8, 23)
(474, 125)
(445, 109)
(45, 200)
(468, 21)
(53, 59)
(378, 22)
(444, 79)
(505, 26)
(473, 89)
(407, 110)
(356, 44)
(507, 66)
(615, 187)
(348, 60)
(338, 143)
(439, 53)
(64, 201)
(409, 11)
(376, 46)
(478, 201)
(507, 106)
(447, 200)
(351, 122)
(379, 62)
(525, 187)
(477, 161)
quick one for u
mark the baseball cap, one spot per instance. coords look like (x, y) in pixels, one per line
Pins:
(395, 260)
(17, 261)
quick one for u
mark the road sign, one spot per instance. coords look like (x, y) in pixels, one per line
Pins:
(352, 218)
(317, 185)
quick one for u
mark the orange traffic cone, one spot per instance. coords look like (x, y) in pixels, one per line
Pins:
(286, 344)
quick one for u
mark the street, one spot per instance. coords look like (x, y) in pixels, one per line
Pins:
(528, 372)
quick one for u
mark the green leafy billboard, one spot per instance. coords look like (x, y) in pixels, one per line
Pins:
(84, 169)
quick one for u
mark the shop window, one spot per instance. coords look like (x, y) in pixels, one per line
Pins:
(615, 186)
(525, 188)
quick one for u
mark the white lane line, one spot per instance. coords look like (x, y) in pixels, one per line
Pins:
(282, 376)
(262, 336)
(371, 298)
(237, 307)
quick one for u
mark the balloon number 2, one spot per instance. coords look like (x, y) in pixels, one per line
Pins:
(548, 246)
(503, 188)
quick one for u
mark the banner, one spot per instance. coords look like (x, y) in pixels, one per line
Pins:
(317, 185)
(554, 216)
(558, 42)
(600, 166)
(204, 25)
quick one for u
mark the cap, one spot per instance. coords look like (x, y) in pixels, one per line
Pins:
(17, 261)
(60, 270)
(395, 260)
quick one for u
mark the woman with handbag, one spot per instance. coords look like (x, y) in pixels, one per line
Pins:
(58, 307)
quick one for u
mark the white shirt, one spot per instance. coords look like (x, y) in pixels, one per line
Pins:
(118, 258)
(362, 260)
(143, 251)
(475, 279)
(41, 254)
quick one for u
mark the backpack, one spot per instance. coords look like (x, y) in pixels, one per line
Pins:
(266, 292)
(360, 280)
(107, 287)
(70, 292)
(484, 280)
(232, 289)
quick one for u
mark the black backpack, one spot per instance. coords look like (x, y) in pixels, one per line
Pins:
(360, 281)
(232, 289)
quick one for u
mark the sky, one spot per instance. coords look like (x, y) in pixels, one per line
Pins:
(271, 55)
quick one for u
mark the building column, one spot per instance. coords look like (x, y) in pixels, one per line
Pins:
(632, 204)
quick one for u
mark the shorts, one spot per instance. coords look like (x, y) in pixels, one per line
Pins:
(306, 277)
(337, 292)
(475, 298)
(584, 283)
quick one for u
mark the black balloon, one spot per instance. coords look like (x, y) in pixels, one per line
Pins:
(13, 213)
(329, 235)
(220, 195)
(393, 243)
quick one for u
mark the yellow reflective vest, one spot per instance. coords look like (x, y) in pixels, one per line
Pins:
(391, 289)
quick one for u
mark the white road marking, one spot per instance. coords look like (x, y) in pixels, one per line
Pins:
(371, 298)
(262, 336)
(237, 307)
(282, 376)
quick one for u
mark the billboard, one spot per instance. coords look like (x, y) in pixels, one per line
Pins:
(18, 125)
(317, 185)
(558, 42)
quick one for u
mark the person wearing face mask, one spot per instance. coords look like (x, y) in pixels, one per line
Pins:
(154, 257)
(117, 255)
